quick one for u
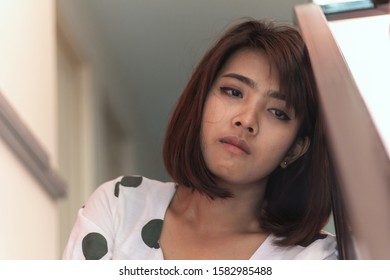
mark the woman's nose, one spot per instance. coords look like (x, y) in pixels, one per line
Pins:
(247, 121)
(250, 129)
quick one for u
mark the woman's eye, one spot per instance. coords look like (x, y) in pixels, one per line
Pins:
(280, 114)
(231, 92)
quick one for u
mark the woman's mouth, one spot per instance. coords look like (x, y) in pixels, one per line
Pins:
(237, 143)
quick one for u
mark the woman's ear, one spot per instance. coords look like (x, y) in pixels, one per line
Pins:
(299, 148)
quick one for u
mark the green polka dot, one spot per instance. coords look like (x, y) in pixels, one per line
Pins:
(131, 181)
(128, 181)
(116, 190)
(94, 246)
(151, 233)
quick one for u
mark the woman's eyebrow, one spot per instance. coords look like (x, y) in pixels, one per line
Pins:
(277, 95)
(249, 82)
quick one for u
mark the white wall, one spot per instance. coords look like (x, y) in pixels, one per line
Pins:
(28, 216)
(367, 53)
(108, 87)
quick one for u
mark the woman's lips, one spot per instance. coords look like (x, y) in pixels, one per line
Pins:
(237, 142)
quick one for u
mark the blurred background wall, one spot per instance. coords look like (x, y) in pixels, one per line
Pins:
(28, 217)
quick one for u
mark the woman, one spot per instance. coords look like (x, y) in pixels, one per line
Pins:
(246, 150)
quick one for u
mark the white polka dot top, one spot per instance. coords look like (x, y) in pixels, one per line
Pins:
(123, 220)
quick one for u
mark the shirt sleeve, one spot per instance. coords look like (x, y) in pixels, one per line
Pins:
(92, 236)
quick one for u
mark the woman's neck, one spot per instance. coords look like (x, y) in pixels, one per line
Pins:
(239, 214)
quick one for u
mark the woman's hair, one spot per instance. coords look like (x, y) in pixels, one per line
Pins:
(297, 198)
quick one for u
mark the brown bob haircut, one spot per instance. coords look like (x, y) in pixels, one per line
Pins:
(297, 200)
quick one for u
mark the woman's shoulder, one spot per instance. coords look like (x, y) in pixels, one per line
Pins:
(131, 191)
(120, 214)
(133, 184)
(323, 247)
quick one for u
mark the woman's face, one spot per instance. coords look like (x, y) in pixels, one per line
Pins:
(247, 130)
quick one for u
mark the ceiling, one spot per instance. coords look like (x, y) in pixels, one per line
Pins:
(157, 43)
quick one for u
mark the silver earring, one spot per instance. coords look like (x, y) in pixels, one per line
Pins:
(284, 163)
